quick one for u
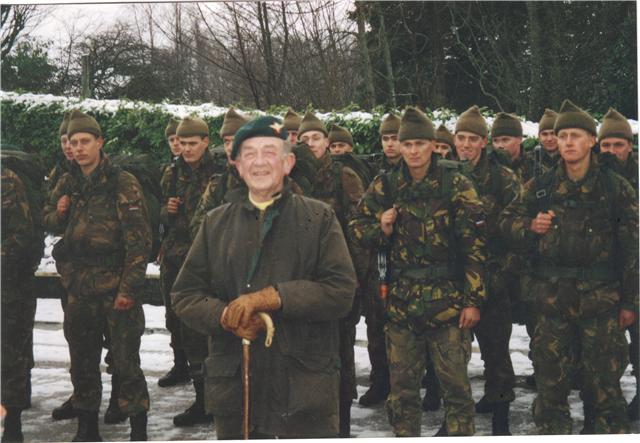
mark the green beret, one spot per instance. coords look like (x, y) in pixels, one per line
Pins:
(65, 123)
(390, 124)
(506, 124)
(472, 121)
(415, 125)
(571, 116)
(172, 127)
(81, 122)
(265, 126)
(548, 120)
(340, 134)
(615, 125)
(292, 120)
(444, 136)
(311, 123)
(232, 122)
(192, 126)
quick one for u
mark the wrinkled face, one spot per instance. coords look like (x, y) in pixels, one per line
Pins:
(227, 142)
(174, 145)
(390, 146)
(292, 137)
(86, 150)
(262, 163)
(193, 148)
(509, 144)
(620, 147)
(416, 152)
(575, 144)
(548, 140)
(338, 148)
(441, 148)
(469, 146)
(317, 141)
(66, 147)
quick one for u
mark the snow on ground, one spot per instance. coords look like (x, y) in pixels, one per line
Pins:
(51, 386)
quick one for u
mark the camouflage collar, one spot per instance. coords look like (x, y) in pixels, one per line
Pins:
(587, 184)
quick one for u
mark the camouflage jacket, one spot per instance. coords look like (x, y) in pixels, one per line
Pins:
(58, 171)
(384, 165)
(585, 236)
(17, 226)
(627, 169)
(188, 184)
(523, 166)
(434, 230)
(107, 236)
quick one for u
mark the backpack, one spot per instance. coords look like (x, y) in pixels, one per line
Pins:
(31, 171)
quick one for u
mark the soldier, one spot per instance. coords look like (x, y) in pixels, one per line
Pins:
(428, 217)
(18, 302)
(173, 141)
(390, 148)
(548, 139)
(444, 144)
(615, 137)
(102, 261)
(294, 383)
(291, 124)
(582, 221)
(496, 185)
(340, 140)
(63, 165)
(506, 134)
(182, 188)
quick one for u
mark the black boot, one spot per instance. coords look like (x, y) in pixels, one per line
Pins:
(442, 432)
(633, 410)
(114, 414)
(87, 427)
(589, 426)
(178, 374)
(195, 413)
(12, 426)
(431, 400)
(345, 419)
(65, 411)
(500, 419)
(483, 406)
(138, 427)
(377, 392)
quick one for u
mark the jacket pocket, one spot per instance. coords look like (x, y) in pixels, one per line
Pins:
(313, 385)
(223, 385)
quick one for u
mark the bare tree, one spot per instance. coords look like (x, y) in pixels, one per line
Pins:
(14, 20)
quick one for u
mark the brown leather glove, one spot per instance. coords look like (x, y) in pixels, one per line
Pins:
(240, 310)
(250, 331)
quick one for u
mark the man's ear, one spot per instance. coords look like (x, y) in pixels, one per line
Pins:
(289, 163)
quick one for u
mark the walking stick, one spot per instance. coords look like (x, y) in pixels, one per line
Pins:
(246, 360)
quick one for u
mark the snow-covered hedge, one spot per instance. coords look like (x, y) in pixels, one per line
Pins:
(32, 121)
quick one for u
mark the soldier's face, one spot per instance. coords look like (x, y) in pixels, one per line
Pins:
(338, 148)
(66, 147)
(262, 163)
(509, 144)
(317, 141)
(442, 149)
(390, 146)
(174, 145)
(86, 150)
(575, 144)
(469, 146)
(416, 152)
(620, 147)
(548, 140)
(193, 148)
(292, 137)
(227, 142)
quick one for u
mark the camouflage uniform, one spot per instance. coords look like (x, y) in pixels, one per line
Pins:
(62, 166)
(103, 254)
(189, 186)
(586, 270)
(426, 294)
(18, 299)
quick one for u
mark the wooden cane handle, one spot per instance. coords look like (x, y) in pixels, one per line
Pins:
(271, 330)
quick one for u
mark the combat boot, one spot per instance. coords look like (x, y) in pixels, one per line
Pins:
(484, 406)
(138, 427)
(178, 374)
(431, 400)
(378, 391)
(12, 426)
(442, 432)
(500, 419)
(195, 413)
(87, 426)
(589, 425)
(65, 411)
(114, 414)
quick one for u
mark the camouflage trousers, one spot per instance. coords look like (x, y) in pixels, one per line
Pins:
(450, 350)
(375, 316)
(18, 314)
(193, 343)
(598, 347)
(85, 319)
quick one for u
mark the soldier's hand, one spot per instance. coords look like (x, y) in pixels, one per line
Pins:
(122, 303)
(387, 220)
(173, 205)
(626, 318)
(64, 203)
(542, 223)
(469, 317)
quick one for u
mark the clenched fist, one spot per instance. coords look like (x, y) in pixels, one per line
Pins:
(542, 223)
(387, 220)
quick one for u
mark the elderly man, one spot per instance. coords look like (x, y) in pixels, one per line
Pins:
(269, 250)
